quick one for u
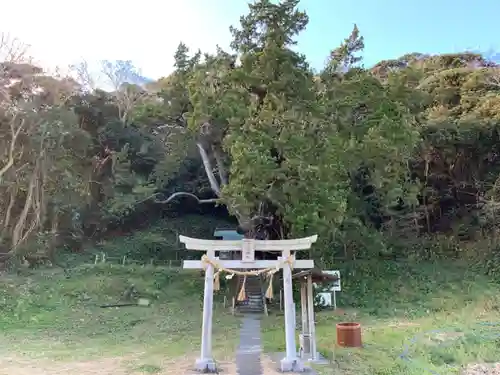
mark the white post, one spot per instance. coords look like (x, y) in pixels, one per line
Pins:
(310, 313)
(291, 362)
(303, 307)
(305, 323)
(206, 362)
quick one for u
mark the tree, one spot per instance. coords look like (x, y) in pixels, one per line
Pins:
(40, 138)
(372, 160)
(343, 58)
(378, 134)
(257, 121)
(125, 81)
(258, 114)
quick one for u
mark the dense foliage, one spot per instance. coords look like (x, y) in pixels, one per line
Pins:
(399, 159)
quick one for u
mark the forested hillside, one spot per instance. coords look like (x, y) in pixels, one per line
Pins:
(401, 159)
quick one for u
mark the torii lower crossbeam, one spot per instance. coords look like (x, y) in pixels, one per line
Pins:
(258, 264)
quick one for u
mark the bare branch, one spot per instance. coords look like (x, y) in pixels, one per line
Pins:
(184, 194)
(8, 213)
(12, 49)
(17, 234)
(12, 52)
(83, 75)
(128, 98)
(177, 195)
(224, 180)
(208, 169)
(14, 133)
(126, 81)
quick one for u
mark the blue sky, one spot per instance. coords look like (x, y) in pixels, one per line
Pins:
(148, 34)
(392, 28)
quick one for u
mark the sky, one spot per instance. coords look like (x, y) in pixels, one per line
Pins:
(63, 32)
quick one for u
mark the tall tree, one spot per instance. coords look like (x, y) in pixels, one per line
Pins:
(377, 134)
(256, 112)
(42, 146)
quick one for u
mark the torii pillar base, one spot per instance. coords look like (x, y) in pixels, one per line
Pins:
(291, 365)
(206, 365)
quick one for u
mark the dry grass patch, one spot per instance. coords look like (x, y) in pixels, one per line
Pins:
(24, 366)
(482, 369)
(269, 366)
(178, 366)
(14, 365)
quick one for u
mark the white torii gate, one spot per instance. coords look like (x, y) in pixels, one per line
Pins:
(291, 362)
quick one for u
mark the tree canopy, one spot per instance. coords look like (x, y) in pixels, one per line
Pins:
(385, 160)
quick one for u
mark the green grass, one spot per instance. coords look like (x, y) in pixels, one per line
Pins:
(149, 369)
(159, 241)
(46, 315)
(396, 302)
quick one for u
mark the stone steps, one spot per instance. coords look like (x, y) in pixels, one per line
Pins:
(254, 302)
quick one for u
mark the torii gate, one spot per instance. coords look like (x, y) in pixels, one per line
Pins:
(287, 261)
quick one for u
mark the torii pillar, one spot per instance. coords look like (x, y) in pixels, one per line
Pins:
(291, 362)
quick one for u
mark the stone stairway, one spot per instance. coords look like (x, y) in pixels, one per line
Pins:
(253, 289)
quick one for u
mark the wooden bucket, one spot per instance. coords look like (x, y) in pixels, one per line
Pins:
(349, 335)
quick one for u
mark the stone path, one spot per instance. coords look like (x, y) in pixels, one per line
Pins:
(248, 361)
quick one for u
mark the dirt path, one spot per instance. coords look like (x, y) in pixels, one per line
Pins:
(110, 366)
(104, 366)
(21, 366)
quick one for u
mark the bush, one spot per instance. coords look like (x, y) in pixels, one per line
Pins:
(161, 241)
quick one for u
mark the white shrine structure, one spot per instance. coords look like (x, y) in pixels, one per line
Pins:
(247, 247)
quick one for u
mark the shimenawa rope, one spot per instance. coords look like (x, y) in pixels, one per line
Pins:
(242, 294)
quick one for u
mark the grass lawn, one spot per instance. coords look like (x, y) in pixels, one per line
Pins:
(416, 320)
(53, 325)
